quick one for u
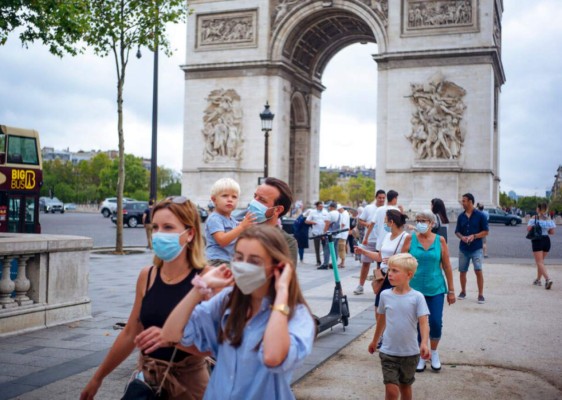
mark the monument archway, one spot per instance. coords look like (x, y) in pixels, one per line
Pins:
(439, 78)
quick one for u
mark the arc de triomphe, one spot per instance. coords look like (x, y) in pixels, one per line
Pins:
(439, 78)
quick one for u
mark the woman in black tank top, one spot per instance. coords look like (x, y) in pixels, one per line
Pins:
(179, 257)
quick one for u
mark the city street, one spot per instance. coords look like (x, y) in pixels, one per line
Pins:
(504, 242)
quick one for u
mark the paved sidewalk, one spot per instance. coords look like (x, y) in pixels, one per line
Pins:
(509, 346)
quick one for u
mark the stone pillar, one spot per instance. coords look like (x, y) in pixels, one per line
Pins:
(22, 282)
(7, 285)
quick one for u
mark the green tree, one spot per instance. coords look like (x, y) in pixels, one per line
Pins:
(335, 193)
(137, 178)
(556, 204)
(57, 24)
(529, 203)
(505, 200)
(360, 189)
(328, 179)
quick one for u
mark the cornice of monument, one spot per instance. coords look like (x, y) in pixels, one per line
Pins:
(443, 57)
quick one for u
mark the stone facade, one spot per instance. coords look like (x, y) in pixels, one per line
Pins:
(440, 72)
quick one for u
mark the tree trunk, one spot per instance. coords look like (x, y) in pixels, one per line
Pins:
(121, 167)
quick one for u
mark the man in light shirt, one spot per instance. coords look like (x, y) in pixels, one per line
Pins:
(342, 242)
(369, 241)
(317, 218)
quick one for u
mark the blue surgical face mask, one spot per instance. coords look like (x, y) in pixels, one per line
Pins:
(422, 227)
(259, 210)
(167, 246)
(387, 228)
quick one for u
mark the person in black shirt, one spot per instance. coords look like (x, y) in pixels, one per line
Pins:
(179, 257)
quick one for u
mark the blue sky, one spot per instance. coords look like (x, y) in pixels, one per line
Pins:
(71, 101)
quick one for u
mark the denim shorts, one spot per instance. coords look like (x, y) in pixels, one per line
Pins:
(465, 257)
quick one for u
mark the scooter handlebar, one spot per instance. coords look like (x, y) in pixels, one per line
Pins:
(332, 233)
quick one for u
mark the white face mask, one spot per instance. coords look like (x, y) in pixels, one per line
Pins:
(248, 277)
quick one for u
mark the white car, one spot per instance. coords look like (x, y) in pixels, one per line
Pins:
(109, 205)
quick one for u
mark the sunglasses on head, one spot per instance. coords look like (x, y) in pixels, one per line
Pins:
(177, 199)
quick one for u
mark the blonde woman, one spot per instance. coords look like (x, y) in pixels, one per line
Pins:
(179, 249)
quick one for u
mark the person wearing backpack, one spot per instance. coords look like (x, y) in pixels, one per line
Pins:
(300, 232)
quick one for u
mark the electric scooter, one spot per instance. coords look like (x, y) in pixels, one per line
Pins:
(339, 312)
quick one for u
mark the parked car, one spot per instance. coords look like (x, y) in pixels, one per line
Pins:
(52, 205)
(203, 214)
(132, 213)
(69, 206)
(109, 205)
(500, 216)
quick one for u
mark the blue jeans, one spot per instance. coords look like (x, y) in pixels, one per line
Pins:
(327, 258)
(465, 257)
(435, 305)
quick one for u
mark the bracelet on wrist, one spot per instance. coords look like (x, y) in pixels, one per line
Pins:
(451, 292)
(199, 284)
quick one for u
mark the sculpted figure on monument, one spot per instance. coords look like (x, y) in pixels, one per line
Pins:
(226, 30)
(222, 126)
(439, 13)
(282, 8)
(436, 131)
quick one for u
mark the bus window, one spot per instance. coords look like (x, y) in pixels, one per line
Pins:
(22, 150)
(14, 214)
(2, 147)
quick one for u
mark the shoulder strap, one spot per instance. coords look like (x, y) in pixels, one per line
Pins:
(400, 241)
(148, 279)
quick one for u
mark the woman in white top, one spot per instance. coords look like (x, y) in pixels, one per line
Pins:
(541, 246)
(392, 244)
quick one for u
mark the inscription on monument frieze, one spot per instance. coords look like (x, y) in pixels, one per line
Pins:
(439, 16)
(227, 30)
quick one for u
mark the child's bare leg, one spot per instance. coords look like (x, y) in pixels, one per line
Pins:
(391, 391)
(405, 392)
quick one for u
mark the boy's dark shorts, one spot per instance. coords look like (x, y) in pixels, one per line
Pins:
(399, 370)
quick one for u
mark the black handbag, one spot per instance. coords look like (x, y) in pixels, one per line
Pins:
(138, 389)
(536, 231)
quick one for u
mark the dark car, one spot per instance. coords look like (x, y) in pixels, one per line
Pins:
(500, 216)
(203, 214)
(132, 213)
(286, 222)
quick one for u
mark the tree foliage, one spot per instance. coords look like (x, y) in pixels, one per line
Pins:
(89, 182)
(505, 200)
(529, 203)
(556, 204)
(335, 193)
(328, 179)
(360, 189)
(58, 24)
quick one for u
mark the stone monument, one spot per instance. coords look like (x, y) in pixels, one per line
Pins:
(439, 78)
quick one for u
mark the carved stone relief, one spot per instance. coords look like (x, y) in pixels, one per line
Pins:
(497, 31)
(436, 123)
(282, 7)
(222, 126)
(380, 7)
(424, 15)
(235, 29)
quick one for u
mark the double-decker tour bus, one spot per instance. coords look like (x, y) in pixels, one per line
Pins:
(21, 177)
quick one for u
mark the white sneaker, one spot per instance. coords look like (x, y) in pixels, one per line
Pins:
(421, 365)
(358, 290)
(435, 362)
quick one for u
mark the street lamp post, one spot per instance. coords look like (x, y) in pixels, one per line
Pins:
(266, 117)
(153, 156)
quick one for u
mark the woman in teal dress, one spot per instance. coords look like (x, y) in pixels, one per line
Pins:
(432, 254)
